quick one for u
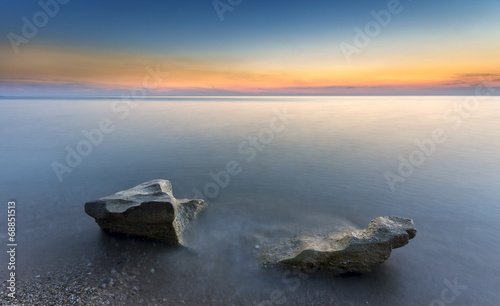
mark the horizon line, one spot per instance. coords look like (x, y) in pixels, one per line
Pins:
(235, 96)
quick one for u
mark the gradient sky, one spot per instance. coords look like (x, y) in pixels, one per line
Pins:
(262, 47)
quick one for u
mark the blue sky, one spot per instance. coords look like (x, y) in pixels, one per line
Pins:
(298, 41)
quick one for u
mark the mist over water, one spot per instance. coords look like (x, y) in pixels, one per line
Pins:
(325, 169)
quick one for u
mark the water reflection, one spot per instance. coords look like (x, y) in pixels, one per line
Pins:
(324, 170)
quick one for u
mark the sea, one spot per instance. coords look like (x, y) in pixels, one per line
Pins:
(263, 164)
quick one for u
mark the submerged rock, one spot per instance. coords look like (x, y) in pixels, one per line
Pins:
(349, 250)
(148, 210)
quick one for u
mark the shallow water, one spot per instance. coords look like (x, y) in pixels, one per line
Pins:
(320, 169)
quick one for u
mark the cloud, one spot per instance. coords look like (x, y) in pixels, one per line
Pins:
(42, 70)
(472, 79)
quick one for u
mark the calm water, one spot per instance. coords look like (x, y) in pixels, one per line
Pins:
(323, 167)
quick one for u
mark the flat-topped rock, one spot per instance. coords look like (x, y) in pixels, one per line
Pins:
(148, 211)
(349, 250)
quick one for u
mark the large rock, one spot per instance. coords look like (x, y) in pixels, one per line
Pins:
(148, 210)
(349, 250)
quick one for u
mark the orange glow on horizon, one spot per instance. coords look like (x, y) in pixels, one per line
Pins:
(113, 70)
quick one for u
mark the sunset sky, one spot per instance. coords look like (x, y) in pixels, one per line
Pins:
(261, 47)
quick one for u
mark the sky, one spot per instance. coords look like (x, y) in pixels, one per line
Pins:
(248, 47)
